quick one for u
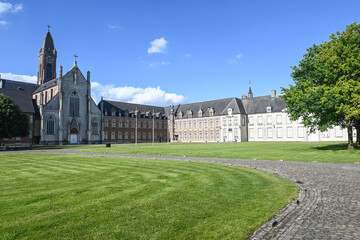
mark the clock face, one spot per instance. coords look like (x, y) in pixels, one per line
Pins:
(49, 59)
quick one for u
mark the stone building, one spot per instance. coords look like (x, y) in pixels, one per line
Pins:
(62, 105)
(123, 121)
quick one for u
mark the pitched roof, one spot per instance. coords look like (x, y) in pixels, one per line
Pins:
(132, 107)
(260, 104)
(46, 85)
(218, 106)
(14, 85)
(21, 98)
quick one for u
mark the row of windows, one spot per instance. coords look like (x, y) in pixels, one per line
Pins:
(127, 124)
(50, 125)
(198, 135)
(131, 135)
(233, 122)
(290, 132)
(269, 120)
(147, 115)
(226, 132)
(196, 124)
(190, 113)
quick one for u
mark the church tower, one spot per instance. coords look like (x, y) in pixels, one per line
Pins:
(47, 60)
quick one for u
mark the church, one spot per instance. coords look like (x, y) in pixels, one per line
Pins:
(60, 108)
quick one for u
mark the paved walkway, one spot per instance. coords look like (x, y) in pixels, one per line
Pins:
(329, 196)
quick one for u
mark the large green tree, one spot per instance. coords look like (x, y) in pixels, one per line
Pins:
(13, 122)
(327, 84)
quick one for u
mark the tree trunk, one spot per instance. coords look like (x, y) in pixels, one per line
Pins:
(350, 138)
(358, 136)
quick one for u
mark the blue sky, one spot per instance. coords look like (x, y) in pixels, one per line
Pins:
(169, 52)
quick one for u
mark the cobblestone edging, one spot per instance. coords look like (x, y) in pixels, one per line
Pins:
(329, 196)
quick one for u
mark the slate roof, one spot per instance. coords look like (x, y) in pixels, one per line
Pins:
(259, 104)
(14, 85)
(46, 85)
(108, 105)
(48, 42)
(218, 106)
(21, 98)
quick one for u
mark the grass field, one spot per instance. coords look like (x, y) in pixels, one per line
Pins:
(288, 151)
(49, 196)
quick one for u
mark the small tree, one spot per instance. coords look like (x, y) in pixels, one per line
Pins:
(327, 84)
(13, 122)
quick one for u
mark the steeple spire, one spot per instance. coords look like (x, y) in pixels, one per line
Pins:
(47, 59)
(250, 94)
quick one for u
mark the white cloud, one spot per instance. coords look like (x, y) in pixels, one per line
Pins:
(235, 59)
(17, 77)
(156, 64)
(11, 8)
(157, 46)
(3, 23)
(149, 95)
(188, 55)
(113, 26)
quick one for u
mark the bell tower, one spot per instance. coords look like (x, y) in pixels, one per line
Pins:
(47, 59)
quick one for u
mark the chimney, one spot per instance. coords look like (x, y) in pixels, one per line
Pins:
(244, 96)
(273, 93)
(88, 76)
(60, 71)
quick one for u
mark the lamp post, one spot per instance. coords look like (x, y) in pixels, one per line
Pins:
(136, 135)
(153, 128)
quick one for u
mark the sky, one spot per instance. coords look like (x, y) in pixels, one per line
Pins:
(163, 52)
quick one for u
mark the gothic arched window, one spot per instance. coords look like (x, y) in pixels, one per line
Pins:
(50, 125)
(94, 126)
(74, 104)
(48, 71)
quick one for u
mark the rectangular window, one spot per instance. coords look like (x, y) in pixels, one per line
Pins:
(270, 132)
(18, 138)
(195, 136)
(205, 124)
(288, 121)
(211, 135)
(144, 135)
(200, 124)
(120, 124)
(31, 119)
(149, 136)
(279, 132)
(251, 121)
(278, 119)
(106, 123)
(190, 136)
(269, 120)
(217, 135)
(236, 132)
(206, 135)
(120, 135)
(132, 135)
(200, 135)
(300, 132)
(289, 131)
(185, 137)
(224, 122)
(105, 135)
(260, 120)
(217, 123)
(112, 135)
(126, 135)
(113, 114)
(230, 123)
(113, 123)
(189, 124)
(185, 125)
(30, 134)
(260, 133)
(338, 131)
(251, 133)
(194, 124)
(235, 121)
(211, 123)
(326, 134)
(126, 124)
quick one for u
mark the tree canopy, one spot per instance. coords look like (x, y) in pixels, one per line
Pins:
(13, 122)
(326, 90)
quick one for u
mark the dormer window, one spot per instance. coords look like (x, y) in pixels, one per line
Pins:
(180, 114)
(190, 114)
(268, 109)
(229, 111)
(200, 113)
(211, 112)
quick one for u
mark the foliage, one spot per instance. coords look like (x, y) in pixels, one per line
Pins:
(13, 122)
(48, 196)
(287, 151)
(327, 83)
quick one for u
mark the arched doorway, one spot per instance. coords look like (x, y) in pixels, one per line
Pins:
(74, 136)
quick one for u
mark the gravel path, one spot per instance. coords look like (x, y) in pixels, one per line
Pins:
(328, 205)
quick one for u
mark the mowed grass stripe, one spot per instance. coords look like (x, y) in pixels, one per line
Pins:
(288, 151)
(119, 198)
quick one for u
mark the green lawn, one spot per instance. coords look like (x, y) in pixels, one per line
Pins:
(49, 196)
(288, 151)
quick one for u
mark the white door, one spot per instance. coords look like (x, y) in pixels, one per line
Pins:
(73, 139)
(230, 135)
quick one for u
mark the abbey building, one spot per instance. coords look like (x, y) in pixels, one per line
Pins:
(61, 110)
